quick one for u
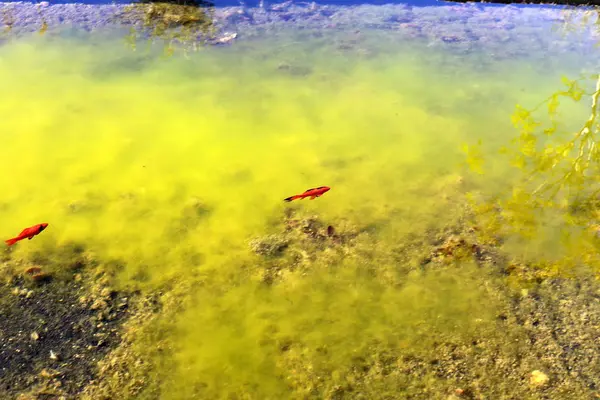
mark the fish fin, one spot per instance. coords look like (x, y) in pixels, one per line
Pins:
(12, 241)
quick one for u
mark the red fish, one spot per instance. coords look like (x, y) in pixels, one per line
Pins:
(27, 233)
(312, 193)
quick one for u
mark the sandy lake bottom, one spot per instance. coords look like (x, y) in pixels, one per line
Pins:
(167, 176)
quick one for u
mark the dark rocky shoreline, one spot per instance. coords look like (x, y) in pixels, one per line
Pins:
(55, 336)
(60, 318)
(65, 327)
(529, 2)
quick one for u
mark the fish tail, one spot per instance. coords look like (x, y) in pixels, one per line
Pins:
(12, 241)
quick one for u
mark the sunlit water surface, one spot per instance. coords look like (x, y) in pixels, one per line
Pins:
(119, 150)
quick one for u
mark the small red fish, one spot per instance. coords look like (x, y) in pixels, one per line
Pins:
(312, 193)
(27, 233)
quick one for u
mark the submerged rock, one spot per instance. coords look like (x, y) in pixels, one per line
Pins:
(330, 231)
(271, 245)
(225, 38)
(538, 378)
(295, 70)
(303, 242)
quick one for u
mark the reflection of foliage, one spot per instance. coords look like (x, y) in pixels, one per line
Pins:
(574, 160)
(561, 172)
(44, 26)
(182, 22)
(575, 18)
(562, 165)
(8, 20)
(545, 155)
(558, 194)
(474, 157)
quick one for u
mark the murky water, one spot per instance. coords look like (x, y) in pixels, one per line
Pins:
(175, 168)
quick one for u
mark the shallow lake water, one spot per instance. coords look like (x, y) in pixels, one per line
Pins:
(171, 172)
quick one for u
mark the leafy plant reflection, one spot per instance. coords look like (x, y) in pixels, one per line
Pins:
(558, 187)
(177, 23)
(186, 23)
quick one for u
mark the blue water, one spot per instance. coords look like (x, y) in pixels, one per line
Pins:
(253, 3)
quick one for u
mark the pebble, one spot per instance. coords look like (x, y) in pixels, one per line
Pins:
(99, 304)
(48, 373)
(538, 378)
(226, 38)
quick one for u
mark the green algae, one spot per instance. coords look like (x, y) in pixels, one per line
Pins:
(304, 337)
(168, 174)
